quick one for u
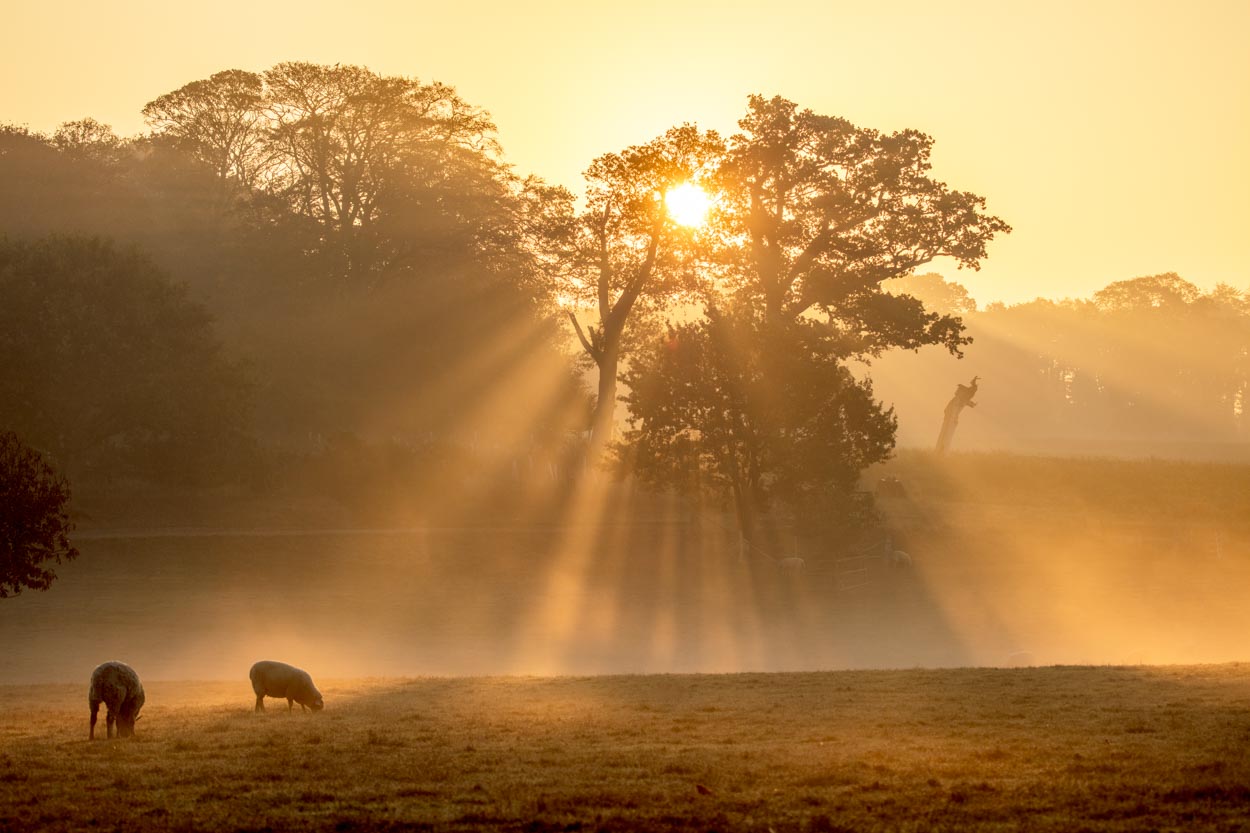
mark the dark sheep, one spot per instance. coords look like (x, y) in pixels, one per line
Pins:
(117, 686)
(277, 679)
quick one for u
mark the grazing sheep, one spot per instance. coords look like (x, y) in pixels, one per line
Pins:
(117, 686)
(277, 679)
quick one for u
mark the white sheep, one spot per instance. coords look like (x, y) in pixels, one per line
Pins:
(277, 679)
(117, 686)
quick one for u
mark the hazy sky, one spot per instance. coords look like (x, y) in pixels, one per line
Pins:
(1114, 136)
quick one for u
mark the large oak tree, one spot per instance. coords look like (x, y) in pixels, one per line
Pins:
(814, 214)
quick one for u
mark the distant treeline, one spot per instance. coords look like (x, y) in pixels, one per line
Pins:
(1147, 365)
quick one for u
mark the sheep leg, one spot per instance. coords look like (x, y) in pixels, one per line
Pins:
(95, 711)
(109, 719)
(290, 704)
(260, 702)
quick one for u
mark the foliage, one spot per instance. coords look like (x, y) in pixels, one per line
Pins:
(412, 251)
(390, 171)
(366, 225)
(222, 122)
(34, 519)
(147, 193)
(626, 256)
(106, 363)
(755, 414)
(1152, 292)
(87, 137)
(818, 212)
(451, 245)
(814, 215)
(935, 292)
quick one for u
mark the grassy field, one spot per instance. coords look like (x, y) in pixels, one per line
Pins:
(1058, 748)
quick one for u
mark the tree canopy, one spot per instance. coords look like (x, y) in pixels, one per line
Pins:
(385, 168)
(722, 404)
(814, 215)
(819, 212)
(34, 518)
(110, 366)
(361, 331)
(627, 255)
(935, 292)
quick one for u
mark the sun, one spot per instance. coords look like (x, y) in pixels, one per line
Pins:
(688, 204)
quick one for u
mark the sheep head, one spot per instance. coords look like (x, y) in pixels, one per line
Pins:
(126, 723)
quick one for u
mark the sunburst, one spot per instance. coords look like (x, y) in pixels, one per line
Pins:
(688, 205)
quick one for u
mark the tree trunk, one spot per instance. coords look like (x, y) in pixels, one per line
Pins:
(603, 419)
(744, 509)
(950, 417)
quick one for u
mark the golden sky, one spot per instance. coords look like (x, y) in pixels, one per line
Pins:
(1114, 136)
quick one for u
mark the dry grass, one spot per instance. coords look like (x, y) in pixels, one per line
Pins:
(1062, 748)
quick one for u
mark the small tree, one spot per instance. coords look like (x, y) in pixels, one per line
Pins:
(758, 415)
(34, 525)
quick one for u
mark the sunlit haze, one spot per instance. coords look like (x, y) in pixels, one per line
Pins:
(1113, 136)
(688, 204)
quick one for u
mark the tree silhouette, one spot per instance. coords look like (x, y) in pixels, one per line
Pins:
(221, 121)
(814, 215)
(819, 212)
(106, 363)
(629, 256)
(724, 405)
(345, 148)
(935, 292)
(454, 262)
(1149, 365)
(34, 523)
(1169, 291)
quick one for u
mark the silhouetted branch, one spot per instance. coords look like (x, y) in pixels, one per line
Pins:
(594, 352)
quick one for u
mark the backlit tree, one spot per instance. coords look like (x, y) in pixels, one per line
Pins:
(34, 519)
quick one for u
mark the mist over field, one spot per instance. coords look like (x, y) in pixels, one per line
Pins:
(1126, 570)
